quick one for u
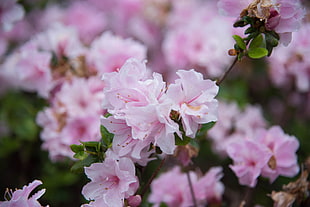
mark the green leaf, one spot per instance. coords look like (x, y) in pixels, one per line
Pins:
(240, 42)
(162, 204)
(77, 148)
(205, 127)
(250, 30)
(80, 155)
(257, 52)
(92, 146)
(257, 42)
(181, 141)
(78, 167)
(106, 136)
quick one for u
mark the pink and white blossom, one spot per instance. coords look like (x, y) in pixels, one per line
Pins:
(74, 116)
(207, 188)
(112, 181)
(22, 198)
(194, 99)
(86, 18)
(109, 52)
(283, 148)
(249, 158)
(290, 65)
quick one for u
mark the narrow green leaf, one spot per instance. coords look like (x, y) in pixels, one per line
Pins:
(257, 42)
(106, 136)
(240, 42)
(77, 148)
(257, 52)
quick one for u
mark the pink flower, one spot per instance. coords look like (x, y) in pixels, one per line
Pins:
(206, 189)
(290, 65)
(234, 124)
(74, 115)
(22, 198)
(249, 159)
(124, 145)
(188, 45)
(62, 40)
(10, 13)
(109, 52)
(161, 192)
(111, 181)
(33, 70)
(209, 186)
(283, 148)
(134, 96)
(194, 99)
(87, 19)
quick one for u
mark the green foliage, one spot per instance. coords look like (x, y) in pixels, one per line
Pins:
(257, 52)
(91, 152)
(240, 42)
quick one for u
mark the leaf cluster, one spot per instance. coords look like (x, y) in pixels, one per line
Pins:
(91, 152)
(261, 41)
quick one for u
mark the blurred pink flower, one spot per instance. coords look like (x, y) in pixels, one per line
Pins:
(10, 13)
(188, 45)
(74, 115)
(111, 181)
(249, 158)
(207, 188)
(283, 148)
(22, 198)
(234, 124)
(109, 52)
(87, 19)
(290, 65)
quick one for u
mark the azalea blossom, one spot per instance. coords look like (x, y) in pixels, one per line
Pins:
(111, 181)
(207, 188)
(249, 159)
(194, 99)
(21, 197)
(283, 147)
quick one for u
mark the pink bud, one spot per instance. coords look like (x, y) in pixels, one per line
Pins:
(134, 201)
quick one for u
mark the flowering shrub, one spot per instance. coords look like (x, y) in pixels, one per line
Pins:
(155, 103)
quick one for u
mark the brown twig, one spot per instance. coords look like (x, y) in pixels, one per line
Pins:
(191, 188)
(147, 185)
(218, 82)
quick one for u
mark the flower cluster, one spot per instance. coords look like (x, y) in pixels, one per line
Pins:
(74, 116)
(234, 124)
(270, 153)
(207, 188)
(152, 110)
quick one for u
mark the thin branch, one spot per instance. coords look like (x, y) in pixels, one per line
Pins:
(218, 82)
(147, 185)
(191, 188)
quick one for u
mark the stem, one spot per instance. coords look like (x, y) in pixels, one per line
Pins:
(248, 196)
(147, 185)
(218, 82)
(191, 188)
